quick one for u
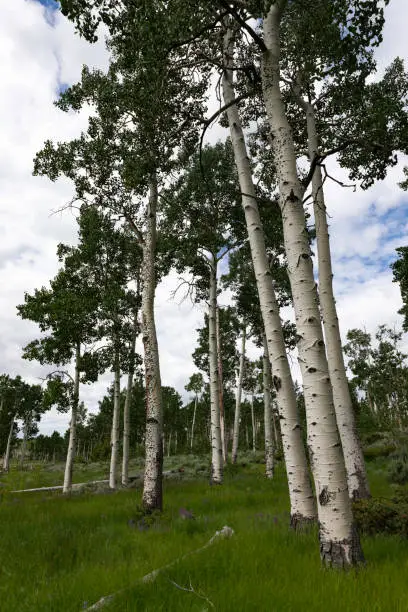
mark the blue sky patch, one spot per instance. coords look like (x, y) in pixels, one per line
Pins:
(51, 7)
(49, 4)
(62, 87)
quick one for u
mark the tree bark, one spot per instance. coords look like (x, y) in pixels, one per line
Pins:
(235, 439)
(267, 389)
(300, 491)
(253, 423)
(69, 463)
(6, 459)
(216, 448)
(346, 422)
(126, 410)
(221, 387)
(339, 541)
(115, 420)
(193, 422)
(153, 475)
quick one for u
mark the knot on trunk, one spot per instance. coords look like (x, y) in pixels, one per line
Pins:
(324, 496)
(292, 197)
(277, 383)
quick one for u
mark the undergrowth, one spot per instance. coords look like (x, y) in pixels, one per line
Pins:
(66, 553)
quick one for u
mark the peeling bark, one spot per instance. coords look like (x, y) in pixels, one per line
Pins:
(115, 420)
(152, 485)
(216, 445)
(335, 515)
(300, 490)
(69, 464)
(235, 439)
(346, 422)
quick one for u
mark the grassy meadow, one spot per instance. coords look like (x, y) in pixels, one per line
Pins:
(64, 554)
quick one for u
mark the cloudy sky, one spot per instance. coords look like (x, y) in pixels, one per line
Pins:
(40, 54)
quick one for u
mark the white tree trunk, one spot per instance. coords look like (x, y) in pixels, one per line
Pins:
(253, 424)
(193, 422)
(216, 448)
(346, 422)
(126, 409)
(69, 463)
(169, 445)
(300, 490)
(153, 475)
(221, 387)
(27, 424)
(115, 421)
(6, 459)
(267, 391)
(235, 439)
(339, 541)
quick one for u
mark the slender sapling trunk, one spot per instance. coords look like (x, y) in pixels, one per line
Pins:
(69, 463)
(115, 420)
(216, 448)
(235, 439)
(267, 390)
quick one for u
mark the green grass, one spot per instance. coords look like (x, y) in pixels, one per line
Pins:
(58, 553)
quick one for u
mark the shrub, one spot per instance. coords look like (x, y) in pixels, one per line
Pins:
(380, 515)
(373, 437)
(398, 469)
(372, 452)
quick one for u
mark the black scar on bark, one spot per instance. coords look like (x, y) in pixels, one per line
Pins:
(152, 420)
(324, 496)
(300, 523)
(362, 492)
(292, 197)
(333, 554)
(277, 383)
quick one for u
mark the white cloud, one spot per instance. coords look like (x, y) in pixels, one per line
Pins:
(37, 57)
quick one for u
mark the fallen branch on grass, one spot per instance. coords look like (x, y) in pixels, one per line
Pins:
(59, 487)
(225, 532)
(192, 590)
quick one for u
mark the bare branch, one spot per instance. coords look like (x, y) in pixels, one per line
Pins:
(332, 178)
(191, 590)
(191, 287)
(317, 161)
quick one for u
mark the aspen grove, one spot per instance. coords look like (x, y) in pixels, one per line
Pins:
(206, 155)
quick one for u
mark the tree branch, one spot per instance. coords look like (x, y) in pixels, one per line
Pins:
(209, 121)
(194, 37)
(135, 229)
(255, 37)
(317, 160)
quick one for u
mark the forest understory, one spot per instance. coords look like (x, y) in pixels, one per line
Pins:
(74, 551)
